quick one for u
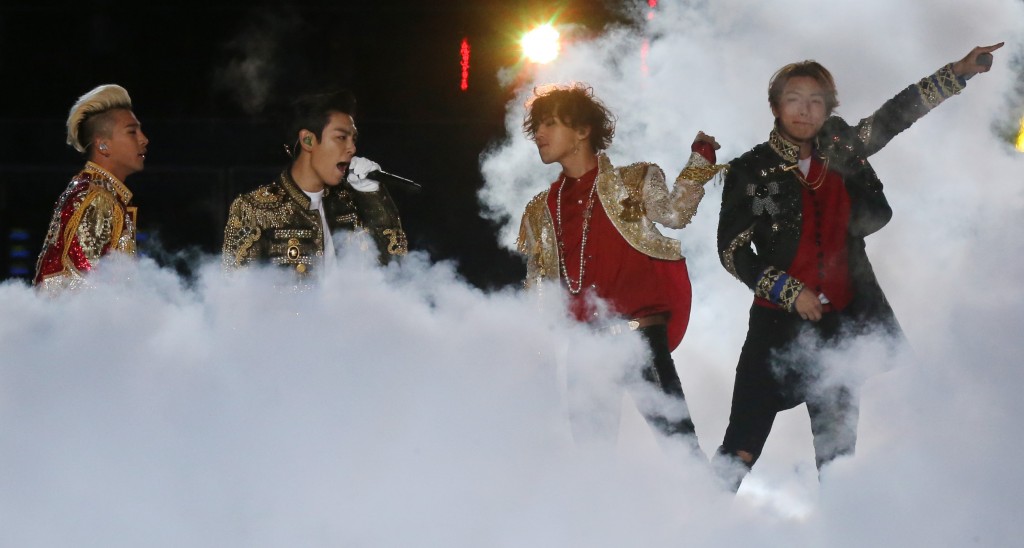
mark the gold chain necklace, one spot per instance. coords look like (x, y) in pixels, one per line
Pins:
(818, 181)
(583, 245)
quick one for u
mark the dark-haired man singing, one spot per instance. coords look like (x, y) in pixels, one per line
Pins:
(291, 221)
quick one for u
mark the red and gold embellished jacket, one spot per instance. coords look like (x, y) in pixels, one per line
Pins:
(634, 197)
(91, 218)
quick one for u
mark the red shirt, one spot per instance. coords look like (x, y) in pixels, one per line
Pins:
(632, 284)
(822, 258)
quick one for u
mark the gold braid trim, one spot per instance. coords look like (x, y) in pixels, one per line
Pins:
(538, 243)
(71, 229)
(612, 189)
(96, 224)
(729, 253)
(116, 226)
(940, 86)
(634, 178)
(791, 287)
(702, 173)
(788, 151)
(398, 244)
(238, 239)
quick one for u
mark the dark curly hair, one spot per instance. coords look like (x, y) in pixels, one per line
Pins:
(576, 106)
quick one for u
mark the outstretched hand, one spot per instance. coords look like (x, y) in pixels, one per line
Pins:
(969, 65)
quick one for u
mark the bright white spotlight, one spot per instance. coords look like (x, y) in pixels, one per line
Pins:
(540, 45)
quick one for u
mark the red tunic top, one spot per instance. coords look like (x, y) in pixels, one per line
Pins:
(822, 258)
(632, 284)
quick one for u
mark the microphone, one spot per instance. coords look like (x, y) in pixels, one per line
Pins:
(391, 178)
(984, 59)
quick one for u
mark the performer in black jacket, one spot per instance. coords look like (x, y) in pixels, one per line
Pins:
(326, 189)
(795, 211)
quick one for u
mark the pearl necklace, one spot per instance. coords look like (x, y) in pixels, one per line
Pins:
(583, 244)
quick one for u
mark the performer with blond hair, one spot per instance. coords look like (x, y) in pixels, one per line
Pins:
(93, 215)
(795, 212)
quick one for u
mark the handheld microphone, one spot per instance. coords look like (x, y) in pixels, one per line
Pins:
(984, 59)
(391, 178)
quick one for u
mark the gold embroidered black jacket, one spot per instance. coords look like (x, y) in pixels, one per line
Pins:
(274, 224)
(761, 217)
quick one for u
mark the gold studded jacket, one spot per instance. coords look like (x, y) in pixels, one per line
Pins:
(274, 224)
(634, 197)
(91, 218)
(761, 216)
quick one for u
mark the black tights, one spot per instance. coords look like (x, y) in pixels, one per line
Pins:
(595, 417)
(770, 378)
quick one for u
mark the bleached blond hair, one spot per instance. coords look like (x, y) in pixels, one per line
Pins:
(95, 102)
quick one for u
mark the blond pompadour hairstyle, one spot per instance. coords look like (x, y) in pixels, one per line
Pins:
(94, 102)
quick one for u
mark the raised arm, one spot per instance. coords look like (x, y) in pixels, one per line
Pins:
(676, 208)
(900, 112)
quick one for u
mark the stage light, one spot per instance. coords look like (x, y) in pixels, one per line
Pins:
(464, 55)
(540, 45)
(1020, 136)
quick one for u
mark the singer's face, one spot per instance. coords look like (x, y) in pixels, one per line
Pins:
(555, 140)
(332, 153)
(801, 110)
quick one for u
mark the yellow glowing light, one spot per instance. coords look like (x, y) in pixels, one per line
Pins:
(540, 45)
(1020, 136)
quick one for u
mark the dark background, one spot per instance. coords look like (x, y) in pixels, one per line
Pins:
(209, 82)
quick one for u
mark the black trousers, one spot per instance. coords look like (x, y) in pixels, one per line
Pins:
(779, 368)
(594, 413)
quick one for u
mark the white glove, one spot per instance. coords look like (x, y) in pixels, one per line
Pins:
(358, 168)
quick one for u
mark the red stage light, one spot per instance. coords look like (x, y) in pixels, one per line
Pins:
(464, 54)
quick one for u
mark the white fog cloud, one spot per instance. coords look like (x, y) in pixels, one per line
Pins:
(402, 407)
(932, 434)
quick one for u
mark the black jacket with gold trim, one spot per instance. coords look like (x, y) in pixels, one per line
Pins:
(762, 208)
(274, 224)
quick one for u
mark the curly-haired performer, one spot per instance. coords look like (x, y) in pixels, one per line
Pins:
(92, 216)
(593, 230)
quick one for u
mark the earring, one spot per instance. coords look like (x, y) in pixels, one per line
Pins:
(576, 148)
